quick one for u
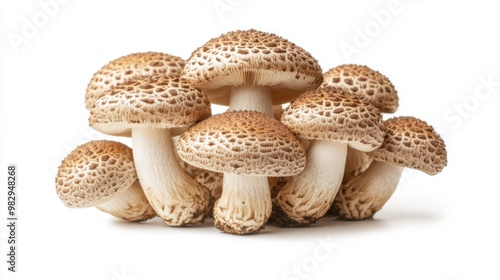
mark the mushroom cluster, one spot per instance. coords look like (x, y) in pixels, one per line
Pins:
(294, 144)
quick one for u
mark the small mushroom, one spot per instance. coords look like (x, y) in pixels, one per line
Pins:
(331, 119)
(372, 87)
(102, 174)
(369, 85)
(131, 66)
(247, 147)
(149, 108)
(252, 70)
(213, 180)
(409, 142)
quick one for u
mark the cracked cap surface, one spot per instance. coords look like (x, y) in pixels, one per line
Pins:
(366, 83)
(412, 143)
(242, 142)
(153, 101)
(330, 113)
(93, 172)
(130, 66)
(252, 58)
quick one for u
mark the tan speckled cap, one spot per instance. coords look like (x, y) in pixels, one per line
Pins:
(129, 66)
(154, 101)
(330, 113)
(367, 84)
(251, 57)
(94, 172)
(412, 143)
(244, 143)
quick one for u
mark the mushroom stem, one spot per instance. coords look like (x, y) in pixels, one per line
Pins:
(308, 196)
(131, 205)
(251, 98)
(245, 204)
(176, 197)
(356, 163)
(361, 197)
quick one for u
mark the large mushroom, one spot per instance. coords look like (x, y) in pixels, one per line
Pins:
(409, 142)
(331, 119)
(247, 147)
(372, 87)
(149, 108)
(128, 67)
(102, 174)
(252, 70)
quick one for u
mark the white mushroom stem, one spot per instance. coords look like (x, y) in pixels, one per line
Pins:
(251, 98)
(356, 163)
(175, 196)
(308, 196)
(361, 197)
(131, 205)
(245, 204)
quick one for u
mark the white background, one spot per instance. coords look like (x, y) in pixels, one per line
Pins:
(442, 56)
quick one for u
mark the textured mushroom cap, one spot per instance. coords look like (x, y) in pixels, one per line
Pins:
(412, 143)
(367, 84)
(252, 58)
(130, 66)
(243, 143)
(93, 172)
(152, 101)
(330, 113)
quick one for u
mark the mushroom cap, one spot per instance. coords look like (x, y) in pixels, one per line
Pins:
(149, 101)
(367, 84)
(129, 66)
(412, 143)
(242, 143)
(252, 58)
(330, 113)
(94, 172)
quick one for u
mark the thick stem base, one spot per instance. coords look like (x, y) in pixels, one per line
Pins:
(308, 196)
(363, 196)
(244, 206)
(176, 197)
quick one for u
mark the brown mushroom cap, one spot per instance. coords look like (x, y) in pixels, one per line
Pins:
(243, 143)
(94, 172)
(412, 143)
(130, 66)
(153, 101)
(252, 58)
(330, 113)
(367, 84)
